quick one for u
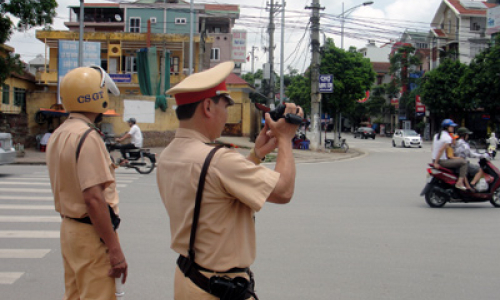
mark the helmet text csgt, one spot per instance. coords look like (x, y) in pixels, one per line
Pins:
(88, 97)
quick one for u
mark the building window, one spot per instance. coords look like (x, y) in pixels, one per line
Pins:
(422, 45)
(130, 65)
(19, 97)
(5, 94)
(174, 65)
(215, 54)
(182, 21)
(135, 25)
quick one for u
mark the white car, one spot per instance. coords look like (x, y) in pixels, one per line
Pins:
(7, 152)
(406, 138)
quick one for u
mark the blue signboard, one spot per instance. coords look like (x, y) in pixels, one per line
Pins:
(68, 55)
(121, 78)
(326, 83)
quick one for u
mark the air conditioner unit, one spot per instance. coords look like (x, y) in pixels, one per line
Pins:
(153, 20)
(114, 50)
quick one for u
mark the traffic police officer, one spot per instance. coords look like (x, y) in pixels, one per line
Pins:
(83, 183)
(236, 187)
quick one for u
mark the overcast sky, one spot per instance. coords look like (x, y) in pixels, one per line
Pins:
(382, 21)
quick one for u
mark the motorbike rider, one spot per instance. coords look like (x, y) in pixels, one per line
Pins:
(493, 143)
(441, 141)
(462, 149)
(135, 143)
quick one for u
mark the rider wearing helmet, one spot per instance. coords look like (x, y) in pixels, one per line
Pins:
(83, 184)
(443, 140)
(136, 139)
(463, 150)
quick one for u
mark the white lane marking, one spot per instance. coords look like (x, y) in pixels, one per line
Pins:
(25, 183)
(27, 207)
(30, 219)
(10, 277)
(23, 253)
(121, 185)
(28, 234)
(16, 190)
(28, 198)
(27, 178)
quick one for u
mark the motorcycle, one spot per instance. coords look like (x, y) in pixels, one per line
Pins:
(142, 160)
(440, 187)
(492, 151)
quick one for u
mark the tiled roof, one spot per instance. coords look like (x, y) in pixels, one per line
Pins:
(381, 67)
(462, 10)
(235, 79)
(439, 32)
(97, 5)
(217, 7)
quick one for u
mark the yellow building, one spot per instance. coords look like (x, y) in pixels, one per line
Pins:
(15, 90)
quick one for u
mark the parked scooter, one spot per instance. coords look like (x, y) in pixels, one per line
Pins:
(440, 187)
(142, 160)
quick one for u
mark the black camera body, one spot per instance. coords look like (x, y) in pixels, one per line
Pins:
(279, 112)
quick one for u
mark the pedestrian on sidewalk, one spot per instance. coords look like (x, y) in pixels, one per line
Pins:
(83, 183)
(215, 237)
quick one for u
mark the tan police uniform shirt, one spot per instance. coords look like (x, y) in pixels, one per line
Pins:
(235, 189)
(68, 178)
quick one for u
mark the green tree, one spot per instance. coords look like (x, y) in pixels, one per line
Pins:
(440, 91)
(299, 91)
(353, 76)
(480, 85)
(30, 13)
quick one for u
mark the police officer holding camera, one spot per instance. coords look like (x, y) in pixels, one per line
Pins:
(235, 188)
(83, 183)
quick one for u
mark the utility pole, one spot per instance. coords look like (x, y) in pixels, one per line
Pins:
(191, 36)
(271, 28)
(315, 62)
(253, 56)
(282, 56)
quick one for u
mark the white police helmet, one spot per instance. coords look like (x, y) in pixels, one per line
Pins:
(85, 89)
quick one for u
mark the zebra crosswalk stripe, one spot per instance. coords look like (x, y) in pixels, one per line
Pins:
(23, 253)
(10, 277)
(30, 219)
(30, 234)
(26, 207)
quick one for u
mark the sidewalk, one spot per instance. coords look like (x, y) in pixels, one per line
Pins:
(35, 157)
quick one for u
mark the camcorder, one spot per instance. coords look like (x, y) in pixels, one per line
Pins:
(279, 112)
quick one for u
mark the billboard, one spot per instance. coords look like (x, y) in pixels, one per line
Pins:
(239, 51)
(493, 20)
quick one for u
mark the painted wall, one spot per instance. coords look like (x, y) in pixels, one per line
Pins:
(14, 82)
(145, 14)
(172, 14)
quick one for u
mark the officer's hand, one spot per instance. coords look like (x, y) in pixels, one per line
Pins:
(265, 142)
(282, 129)
(119, 265)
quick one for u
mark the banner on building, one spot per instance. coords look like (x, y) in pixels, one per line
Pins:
(493, 20)
(239, 51)
(419, 107)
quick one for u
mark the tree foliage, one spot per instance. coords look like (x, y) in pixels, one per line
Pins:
(480, 85)
(30, 13)
(440, 91)
(353, 76)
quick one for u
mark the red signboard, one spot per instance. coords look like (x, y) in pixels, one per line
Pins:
(395, 102)
(419, 107)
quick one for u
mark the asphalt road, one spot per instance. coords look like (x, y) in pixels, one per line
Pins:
(356, 229)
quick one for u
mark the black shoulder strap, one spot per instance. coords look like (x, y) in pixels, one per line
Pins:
(197, 207)
(79, 147)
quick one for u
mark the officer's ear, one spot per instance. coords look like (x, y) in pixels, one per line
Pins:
(207, 107)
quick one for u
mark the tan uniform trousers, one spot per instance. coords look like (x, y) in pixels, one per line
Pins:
(185, 289)
(86, 263)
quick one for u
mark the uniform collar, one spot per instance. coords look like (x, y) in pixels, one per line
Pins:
(192, 134)
(80, 116)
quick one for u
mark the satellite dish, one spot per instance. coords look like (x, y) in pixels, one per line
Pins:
(118, 18)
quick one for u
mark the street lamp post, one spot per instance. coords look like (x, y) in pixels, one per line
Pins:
(345, 14)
